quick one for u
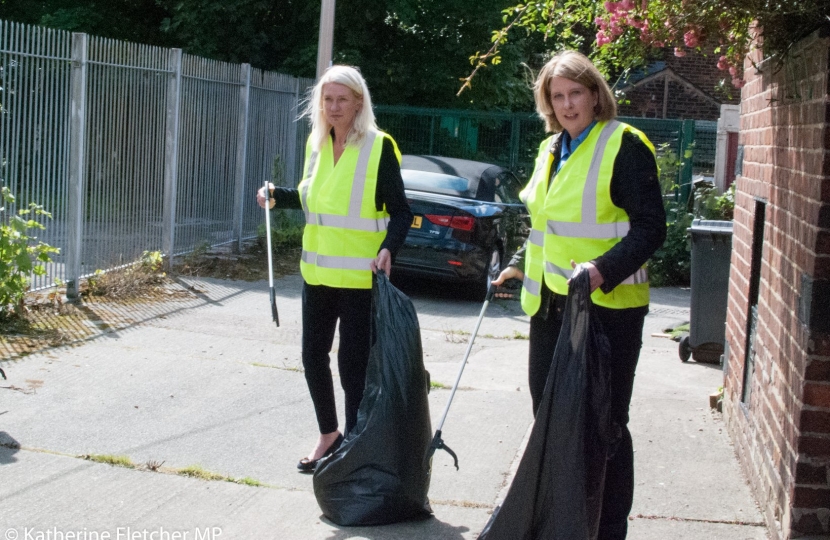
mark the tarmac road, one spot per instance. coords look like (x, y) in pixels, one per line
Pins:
(208, 383)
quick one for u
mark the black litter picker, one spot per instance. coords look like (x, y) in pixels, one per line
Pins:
(437, 441)
(274, 313)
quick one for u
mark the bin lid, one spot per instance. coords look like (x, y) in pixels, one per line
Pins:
(711, 226)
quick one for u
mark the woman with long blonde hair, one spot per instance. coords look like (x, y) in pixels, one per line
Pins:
(357, 217)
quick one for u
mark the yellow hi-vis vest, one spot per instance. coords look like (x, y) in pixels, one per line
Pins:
(343, 228)
(574, 218)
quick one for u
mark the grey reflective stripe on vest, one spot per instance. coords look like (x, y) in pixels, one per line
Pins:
(589, 230)
(536, 237)
(532, 286)
(587, 227)
(337, 263)
(354, 223)
(352, 220)
(551, 268)
(589, 195)
(638, 277)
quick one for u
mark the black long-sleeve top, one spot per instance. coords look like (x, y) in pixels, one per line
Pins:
(389, 192)
(635, 188)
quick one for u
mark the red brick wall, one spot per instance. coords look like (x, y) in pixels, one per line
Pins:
(782, 434)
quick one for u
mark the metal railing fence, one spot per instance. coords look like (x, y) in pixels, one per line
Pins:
(512, 139)
(34, 124)
(136, 148)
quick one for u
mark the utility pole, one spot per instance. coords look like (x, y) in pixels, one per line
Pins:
(324, 44)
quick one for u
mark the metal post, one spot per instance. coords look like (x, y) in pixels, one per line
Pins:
(241, 154)
(77, 163)
(687, 157)
(324, 44)
(432, 135)
(514, 142)
(171, 155)
(291, 160)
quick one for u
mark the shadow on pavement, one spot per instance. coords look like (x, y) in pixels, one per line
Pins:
(425, 528)
(8, 448)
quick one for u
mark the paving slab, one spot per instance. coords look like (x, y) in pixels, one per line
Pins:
(206, 379)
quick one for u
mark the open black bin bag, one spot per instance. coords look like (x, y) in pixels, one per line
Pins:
(380, 474)
(557, 491)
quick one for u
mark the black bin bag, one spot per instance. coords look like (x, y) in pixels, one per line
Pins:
(557, 491)
(380, 474)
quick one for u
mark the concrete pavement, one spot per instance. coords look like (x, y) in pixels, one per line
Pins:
(204, 384)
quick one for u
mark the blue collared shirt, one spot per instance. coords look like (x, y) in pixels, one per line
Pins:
(569, 146)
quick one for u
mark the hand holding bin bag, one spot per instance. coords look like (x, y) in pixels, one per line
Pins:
(557, 491)
(381, 474)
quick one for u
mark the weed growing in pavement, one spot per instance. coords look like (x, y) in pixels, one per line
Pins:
(455, 336)
(519, 335)
(195, 471)
(109, 459)
(248, 481)
(130, 281)
(153, 465)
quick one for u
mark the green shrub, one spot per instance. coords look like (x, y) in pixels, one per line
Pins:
(671, 265)
(708, 204)
(21, 255)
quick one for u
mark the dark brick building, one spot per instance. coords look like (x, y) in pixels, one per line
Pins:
(679, 87)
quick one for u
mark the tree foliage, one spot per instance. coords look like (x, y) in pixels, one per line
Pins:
(411, 52)
(626, 34)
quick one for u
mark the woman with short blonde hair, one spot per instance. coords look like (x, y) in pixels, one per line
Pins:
(576, 67)
(595, 206)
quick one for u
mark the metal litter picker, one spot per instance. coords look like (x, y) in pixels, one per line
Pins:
(437, 441)
(274, 314)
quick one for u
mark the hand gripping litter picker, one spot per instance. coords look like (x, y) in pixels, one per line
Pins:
(274, 314)
(437, 441)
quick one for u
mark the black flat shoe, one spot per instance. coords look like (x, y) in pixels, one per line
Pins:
(306, 465)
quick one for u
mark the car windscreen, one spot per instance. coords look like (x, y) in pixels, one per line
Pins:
(443, 184)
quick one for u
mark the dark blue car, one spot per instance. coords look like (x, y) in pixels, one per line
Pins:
(468, 221)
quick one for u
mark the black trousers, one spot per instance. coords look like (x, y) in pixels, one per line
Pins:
(624, 328)
(322, 308)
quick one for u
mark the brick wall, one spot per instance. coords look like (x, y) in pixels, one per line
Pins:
(781, 430)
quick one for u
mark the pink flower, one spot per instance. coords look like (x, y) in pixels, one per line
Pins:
(659, 44)
(627, 5)
(733, 71)
(611, 7)
(602, 38)
(678, 52)
(722, 63)
(690, 38)
(738, 83)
